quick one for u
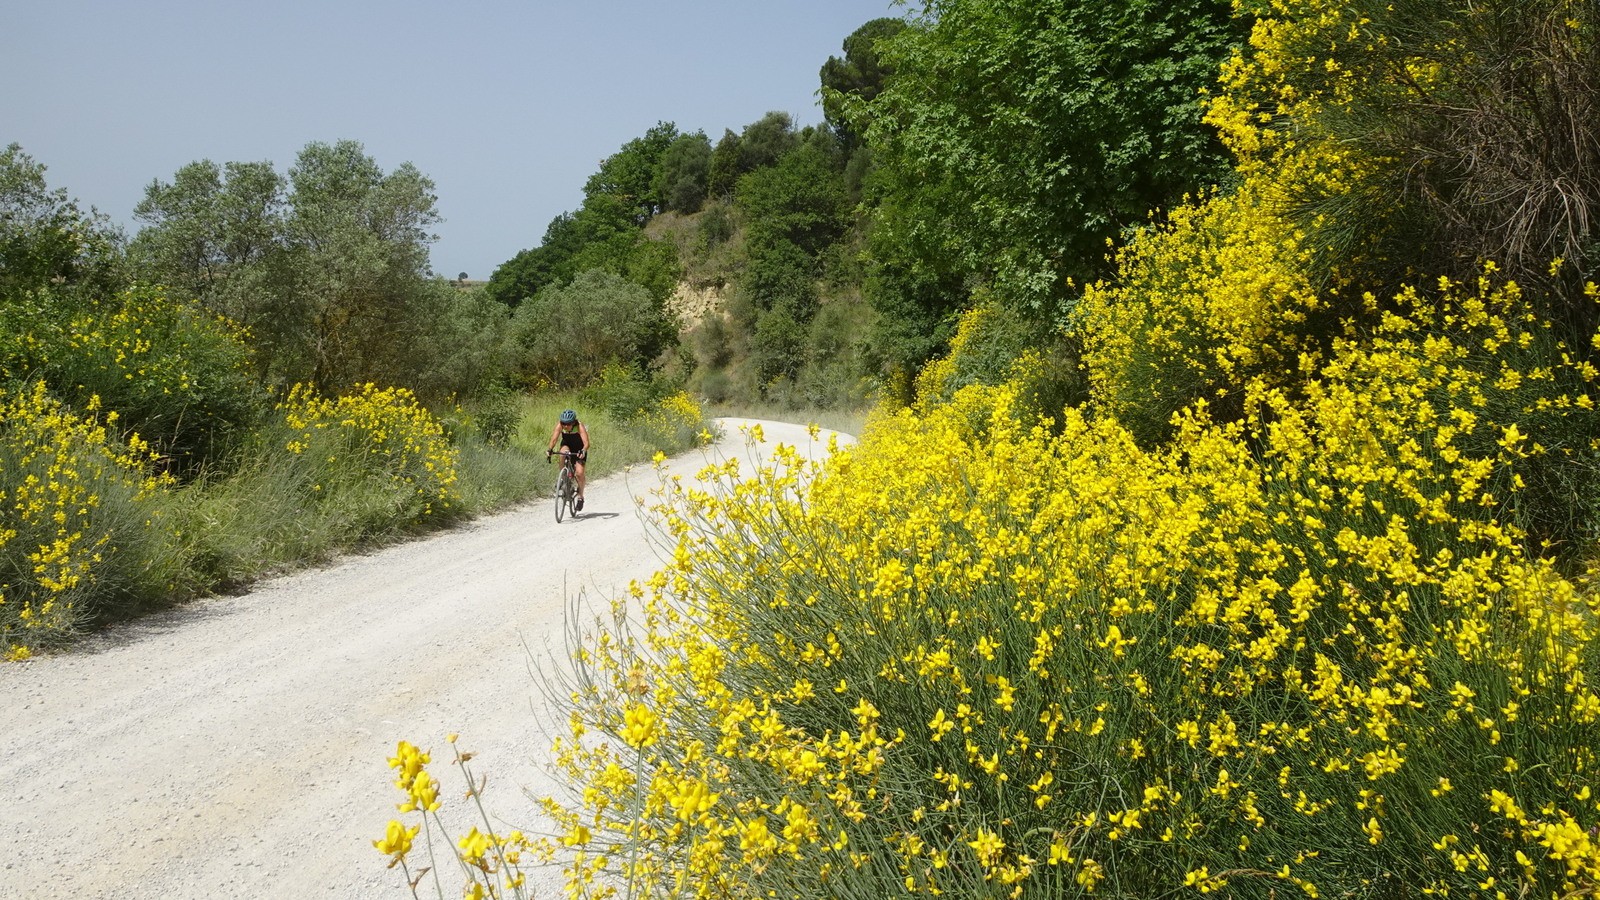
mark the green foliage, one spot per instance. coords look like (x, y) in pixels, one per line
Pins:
(683, 174)
(357, 266)
(632, 173)
(836, 373)
(800, 200)
(46, 240)
(761, 143)
(208, 227)
(716, 225)
(469, 346)
(857, 78)
(1017, 137)
(496, 415)
(765, 141)
(327, 268)
(172, 373)
(781, 276)
(722, 173)
(915, 319)
(622, 392)
(605, 232)
(651, 411)
(530, 271)
(779, 346)
(568, 335)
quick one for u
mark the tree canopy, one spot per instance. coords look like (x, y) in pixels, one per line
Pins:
(328, 266)
(1016, 138)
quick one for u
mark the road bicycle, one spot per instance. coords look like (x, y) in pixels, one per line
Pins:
(566, 492)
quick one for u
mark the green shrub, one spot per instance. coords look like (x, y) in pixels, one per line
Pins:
(496, 415)
(778, 349)
(177, 376)
(622, 392)
(568, 335)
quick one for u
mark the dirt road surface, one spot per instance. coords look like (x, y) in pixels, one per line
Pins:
(236, 747)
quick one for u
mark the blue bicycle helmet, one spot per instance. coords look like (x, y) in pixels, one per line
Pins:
(568, 417)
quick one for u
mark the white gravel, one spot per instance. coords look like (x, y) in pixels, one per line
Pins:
(237, 747)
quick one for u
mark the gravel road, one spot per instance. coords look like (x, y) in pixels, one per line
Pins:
(237, 747)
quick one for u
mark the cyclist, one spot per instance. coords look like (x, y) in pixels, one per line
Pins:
(573, 438)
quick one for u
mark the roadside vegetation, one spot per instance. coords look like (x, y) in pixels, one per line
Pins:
(265, 376)
(1255, 557)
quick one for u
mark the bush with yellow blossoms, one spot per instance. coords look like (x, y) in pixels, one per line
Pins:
(490, 863)
(1300, 654)
(1294, 607)
(175, 374)
(674, 421)
(375, 457)
(77, 513)
(1220, 293)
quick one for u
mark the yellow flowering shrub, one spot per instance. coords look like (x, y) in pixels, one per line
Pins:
(1302, 652)
(1245, 283)
(1284, 612)
(70, 495)
(673, 422)
(1272, 93)
(1217, 295)
(376, 455)
(175, 374)
(995, 343)
(1464, 131)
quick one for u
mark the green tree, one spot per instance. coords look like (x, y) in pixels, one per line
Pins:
(681, 179)
(46, 240)
(723, 171)
(357, 259)
(601, 234)
(328, 267)
(799, 200)
(530, 271)
(766, 140)
(208, 227)
(567, 335)
(858, 77)
(1017, 137)
(779, 348)
(631, 173)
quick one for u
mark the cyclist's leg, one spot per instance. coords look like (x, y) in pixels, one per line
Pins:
(578, 465)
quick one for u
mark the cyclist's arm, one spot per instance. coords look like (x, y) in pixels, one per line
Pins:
(584, 430)
(555, 435)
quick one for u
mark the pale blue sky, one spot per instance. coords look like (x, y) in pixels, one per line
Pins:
(507, 106)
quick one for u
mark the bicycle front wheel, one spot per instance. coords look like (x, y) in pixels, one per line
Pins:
(563, 492)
